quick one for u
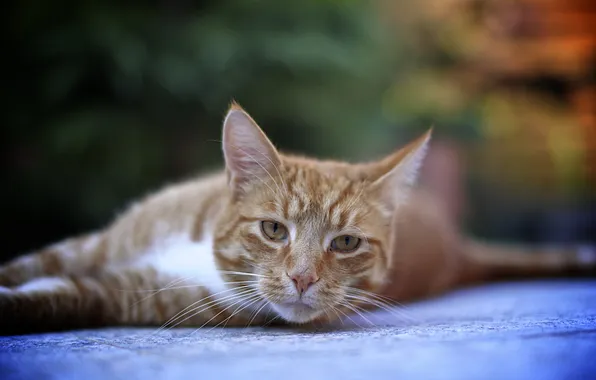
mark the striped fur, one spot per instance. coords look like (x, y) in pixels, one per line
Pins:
(194, 253)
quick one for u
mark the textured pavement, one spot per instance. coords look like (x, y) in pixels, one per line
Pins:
(534, 330)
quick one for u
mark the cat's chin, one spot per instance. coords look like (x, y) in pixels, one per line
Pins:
(296, 312)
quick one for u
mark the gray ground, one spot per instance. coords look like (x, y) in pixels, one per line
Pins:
(537, 330)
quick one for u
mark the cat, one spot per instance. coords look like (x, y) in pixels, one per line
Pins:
(273, 238)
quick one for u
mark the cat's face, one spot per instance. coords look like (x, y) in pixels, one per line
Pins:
(314, 235)
(312, 242)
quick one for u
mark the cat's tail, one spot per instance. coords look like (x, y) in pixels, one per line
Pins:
(494, 262)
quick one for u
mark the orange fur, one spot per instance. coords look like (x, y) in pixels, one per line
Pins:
(123, 274)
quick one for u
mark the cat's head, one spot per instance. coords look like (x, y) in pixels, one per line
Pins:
(315, 234)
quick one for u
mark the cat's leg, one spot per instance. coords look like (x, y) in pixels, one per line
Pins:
(131, 297)
(72, 256)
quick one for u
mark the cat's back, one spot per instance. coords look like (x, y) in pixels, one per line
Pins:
(425, 248)
(187, 208)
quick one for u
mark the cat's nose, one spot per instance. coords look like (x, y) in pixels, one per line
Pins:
(303, 281)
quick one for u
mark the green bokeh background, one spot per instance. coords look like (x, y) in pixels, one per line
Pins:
(105, 102)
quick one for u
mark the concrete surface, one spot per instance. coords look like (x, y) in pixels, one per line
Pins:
(535, 330)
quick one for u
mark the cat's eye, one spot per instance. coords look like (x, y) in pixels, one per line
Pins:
(345, 243)
(274, 230)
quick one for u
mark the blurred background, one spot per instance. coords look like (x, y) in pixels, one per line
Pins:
(106, 102)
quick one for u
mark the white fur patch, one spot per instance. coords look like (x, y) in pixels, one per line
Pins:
(66, 250)
(91, 243)
(180, 257)
(43, 285)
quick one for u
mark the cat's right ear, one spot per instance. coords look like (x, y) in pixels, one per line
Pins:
(251, 159)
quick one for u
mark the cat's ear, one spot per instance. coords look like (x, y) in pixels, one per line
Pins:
(398, 173)
(249, 155)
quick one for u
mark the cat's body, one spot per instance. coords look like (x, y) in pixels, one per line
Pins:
(273, 238)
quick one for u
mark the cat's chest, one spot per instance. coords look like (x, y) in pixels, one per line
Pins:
(184, 260)
(187, 263)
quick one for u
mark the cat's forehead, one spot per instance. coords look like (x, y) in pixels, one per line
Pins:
(317, 194)
(327, 172)
(319, 181)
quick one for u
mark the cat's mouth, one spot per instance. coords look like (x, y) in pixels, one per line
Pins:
(298, 311)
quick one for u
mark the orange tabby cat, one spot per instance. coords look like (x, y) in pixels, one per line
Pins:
(272, 236)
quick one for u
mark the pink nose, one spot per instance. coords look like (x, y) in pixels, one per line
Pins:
(304, 281)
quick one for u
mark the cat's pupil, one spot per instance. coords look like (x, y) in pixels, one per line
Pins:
(347, 240)
(275, 227)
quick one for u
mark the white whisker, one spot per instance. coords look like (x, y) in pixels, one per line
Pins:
(211, 304)
(250, 297)
(156, 291)
(250, 301)
(378, 301)
(355, 310)
(241, 273)
(186, 310)
(185, 287)
(265, 303)
(348, 316)
(275, 317)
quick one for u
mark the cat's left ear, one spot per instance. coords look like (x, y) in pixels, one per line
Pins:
(398, 173)
(251, 159)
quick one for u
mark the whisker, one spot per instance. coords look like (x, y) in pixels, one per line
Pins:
(235, 302)
(379, 301)
(214, 303)
(171, 283)
(374, 295)
(351, 307)
(329, 316)
(379, 305)
(370, 312)
(386, 300)
(186, 310)
(241, 273)
(250, 301)
(332, 308)
(194, 312)
(267, 323)
(348, 316)
(168, 286)
(265, 303)
(250, 297)
(185, 287)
